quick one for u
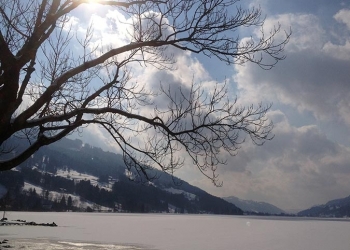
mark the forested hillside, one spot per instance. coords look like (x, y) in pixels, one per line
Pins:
(72, 176)
(335, 208)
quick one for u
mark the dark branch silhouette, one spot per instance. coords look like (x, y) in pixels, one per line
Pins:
(68, 90)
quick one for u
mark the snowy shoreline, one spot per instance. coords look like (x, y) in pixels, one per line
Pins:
(25, 223)
(39, 244)
(4, 244)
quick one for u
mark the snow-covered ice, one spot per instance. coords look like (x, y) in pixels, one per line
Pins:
(176, 232)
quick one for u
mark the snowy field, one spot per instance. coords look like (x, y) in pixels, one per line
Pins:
(77, 200)
(175, 232)
(76, 176)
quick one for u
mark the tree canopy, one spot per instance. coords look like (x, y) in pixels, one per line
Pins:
(50, 88)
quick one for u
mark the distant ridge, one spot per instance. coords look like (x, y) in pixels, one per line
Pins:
(254, 206)
(334, 208)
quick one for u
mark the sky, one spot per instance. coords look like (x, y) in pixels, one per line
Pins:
(308, 161)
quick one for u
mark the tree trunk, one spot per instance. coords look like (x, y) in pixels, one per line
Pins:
(8, 95)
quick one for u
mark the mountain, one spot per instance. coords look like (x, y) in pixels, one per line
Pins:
(292, 211)
(335, 208)
(71, 175)
(254, 206)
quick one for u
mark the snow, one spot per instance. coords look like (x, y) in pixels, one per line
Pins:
(28, 186)
(173, 232)
(187, 195)
(76, 176)
(172, 209)
(77, 200)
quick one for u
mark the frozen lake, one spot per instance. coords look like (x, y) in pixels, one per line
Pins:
(175, 232)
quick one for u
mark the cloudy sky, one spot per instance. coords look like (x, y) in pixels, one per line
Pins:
(308, 161)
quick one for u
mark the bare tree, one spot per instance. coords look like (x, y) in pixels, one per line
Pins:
(70, 88)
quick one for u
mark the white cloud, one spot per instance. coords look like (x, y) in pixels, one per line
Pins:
(343, 16)
(341, 50)
(299, 168)
(97, 137)
(307, 33)
(312, 78)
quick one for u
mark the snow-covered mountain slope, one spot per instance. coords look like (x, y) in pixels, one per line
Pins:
(77, 201)
(188, 195)
(334, 208)
(89, 174)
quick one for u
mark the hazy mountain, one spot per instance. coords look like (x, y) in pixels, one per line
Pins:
(254, 206)
(87, 176)
(334, 208)
(292, 210)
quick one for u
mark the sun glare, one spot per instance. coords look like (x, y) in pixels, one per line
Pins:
(91, 4)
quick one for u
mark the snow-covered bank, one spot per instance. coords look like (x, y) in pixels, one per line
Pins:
(48, 244)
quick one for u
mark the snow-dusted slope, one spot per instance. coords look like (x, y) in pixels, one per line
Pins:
(334, 208)
(76, 176)
(188, 195)
(72, 168)
(77, 200)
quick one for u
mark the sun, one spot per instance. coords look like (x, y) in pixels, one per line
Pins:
(91, 4)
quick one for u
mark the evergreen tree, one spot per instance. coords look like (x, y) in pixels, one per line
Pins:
(63, 204)
(69, 203)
